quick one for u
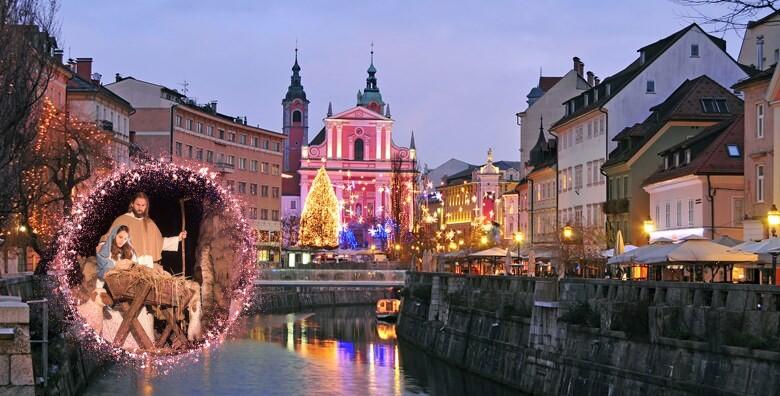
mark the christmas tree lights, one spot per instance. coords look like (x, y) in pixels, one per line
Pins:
(319, 227)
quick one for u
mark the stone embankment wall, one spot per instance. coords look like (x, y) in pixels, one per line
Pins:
(599, 337)
(291, 299)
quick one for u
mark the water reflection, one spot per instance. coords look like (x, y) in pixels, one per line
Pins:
(334, 351)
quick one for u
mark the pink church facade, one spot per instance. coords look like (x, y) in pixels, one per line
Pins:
(357, 150)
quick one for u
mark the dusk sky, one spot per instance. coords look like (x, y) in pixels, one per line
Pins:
(454, 72)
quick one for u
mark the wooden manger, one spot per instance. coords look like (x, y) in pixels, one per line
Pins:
(140, 286)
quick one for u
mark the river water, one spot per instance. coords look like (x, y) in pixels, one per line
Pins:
(328, 351)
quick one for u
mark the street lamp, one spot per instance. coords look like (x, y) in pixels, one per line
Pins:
(773, 219)
(648, 226)
(568, 232)
(518, 241)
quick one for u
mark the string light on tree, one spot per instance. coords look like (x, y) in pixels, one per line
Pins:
(320, 218)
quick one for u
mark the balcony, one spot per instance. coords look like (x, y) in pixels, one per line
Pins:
(106, 125)
(224, 167)
(616, 206)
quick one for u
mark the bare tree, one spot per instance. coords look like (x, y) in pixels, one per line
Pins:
(66, 155)
(290, 225)
(399, 193)
(730, 14)
(27, 31)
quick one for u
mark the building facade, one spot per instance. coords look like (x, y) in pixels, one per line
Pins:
(695, 105)
(544, 104)
(170, 126)
(699, 189)
(761, 42)
(365, 165)
(586, 133)
(762, 123)
(89, 100)
(543, 223)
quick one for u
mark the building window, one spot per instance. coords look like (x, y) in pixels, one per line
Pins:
(358, 150)
(189, 151)
(264, 168)
(714, 105)
(760, 183)
(657, 214)
(200, 127)
(277, 147)
(578, 177)
(625, 186)
(241, 187)
(242, 139)
(275, 169)
(760, 120)
(199, 154)
(242, 163)
(668, 216)
(265, 144)
(232, 137)
(264, 191)
(178, 149)
(739, 211)
(666, 162)
(733, 150)
(578, 136)
(253, 213)
(690, 212)
(650, 86)
(252, 189)
(253, 166)
(687, 156)
(694, 50)
(210, 130)
(263, 214)
(255, 142)
(676, 159)
(178, 118)
(209, 156)
(679, 213)
(222, 134)
(189, 124)
(296, 116)
(231, 160)
(275, 215)
(293, 205)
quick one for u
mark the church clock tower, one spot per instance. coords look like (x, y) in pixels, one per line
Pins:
(295, 126)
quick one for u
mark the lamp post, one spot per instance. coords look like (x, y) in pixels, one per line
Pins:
(518, 241)
(568, 235)
(773, 219)
(648, 226)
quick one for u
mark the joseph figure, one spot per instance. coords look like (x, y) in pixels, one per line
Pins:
(146, 238)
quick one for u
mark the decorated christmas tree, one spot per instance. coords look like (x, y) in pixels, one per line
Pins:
(320, 219)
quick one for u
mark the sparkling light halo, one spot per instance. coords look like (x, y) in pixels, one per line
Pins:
(90, 209)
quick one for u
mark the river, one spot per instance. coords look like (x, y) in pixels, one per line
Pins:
(328, 351)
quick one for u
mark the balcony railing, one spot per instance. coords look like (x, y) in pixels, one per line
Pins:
(224, 167)
(616, 206)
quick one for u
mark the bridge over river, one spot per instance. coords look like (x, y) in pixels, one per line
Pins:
(330, 278)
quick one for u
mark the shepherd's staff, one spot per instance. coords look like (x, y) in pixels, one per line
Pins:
(183, 228)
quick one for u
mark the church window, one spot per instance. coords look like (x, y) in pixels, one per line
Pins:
(359, 150)
(296, 116)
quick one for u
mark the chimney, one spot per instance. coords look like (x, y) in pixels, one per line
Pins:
(213, 105)
(58, 56)
(84, 68)
(590, 78)
(579, 67)
(96, 77)
(760, 52)
(118, 77)
(596, 80)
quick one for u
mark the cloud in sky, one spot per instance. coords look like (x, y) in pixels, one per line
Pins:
(454, 72)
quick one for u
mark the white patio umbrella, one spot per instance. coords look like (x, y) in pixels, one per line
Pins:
(493, 252)
(611, 252)
(726, 240)
(630, 256)
(769, 246)
(698, 251)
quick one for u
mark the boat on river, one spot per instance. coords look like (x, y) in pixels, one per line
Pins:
(387, 309)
